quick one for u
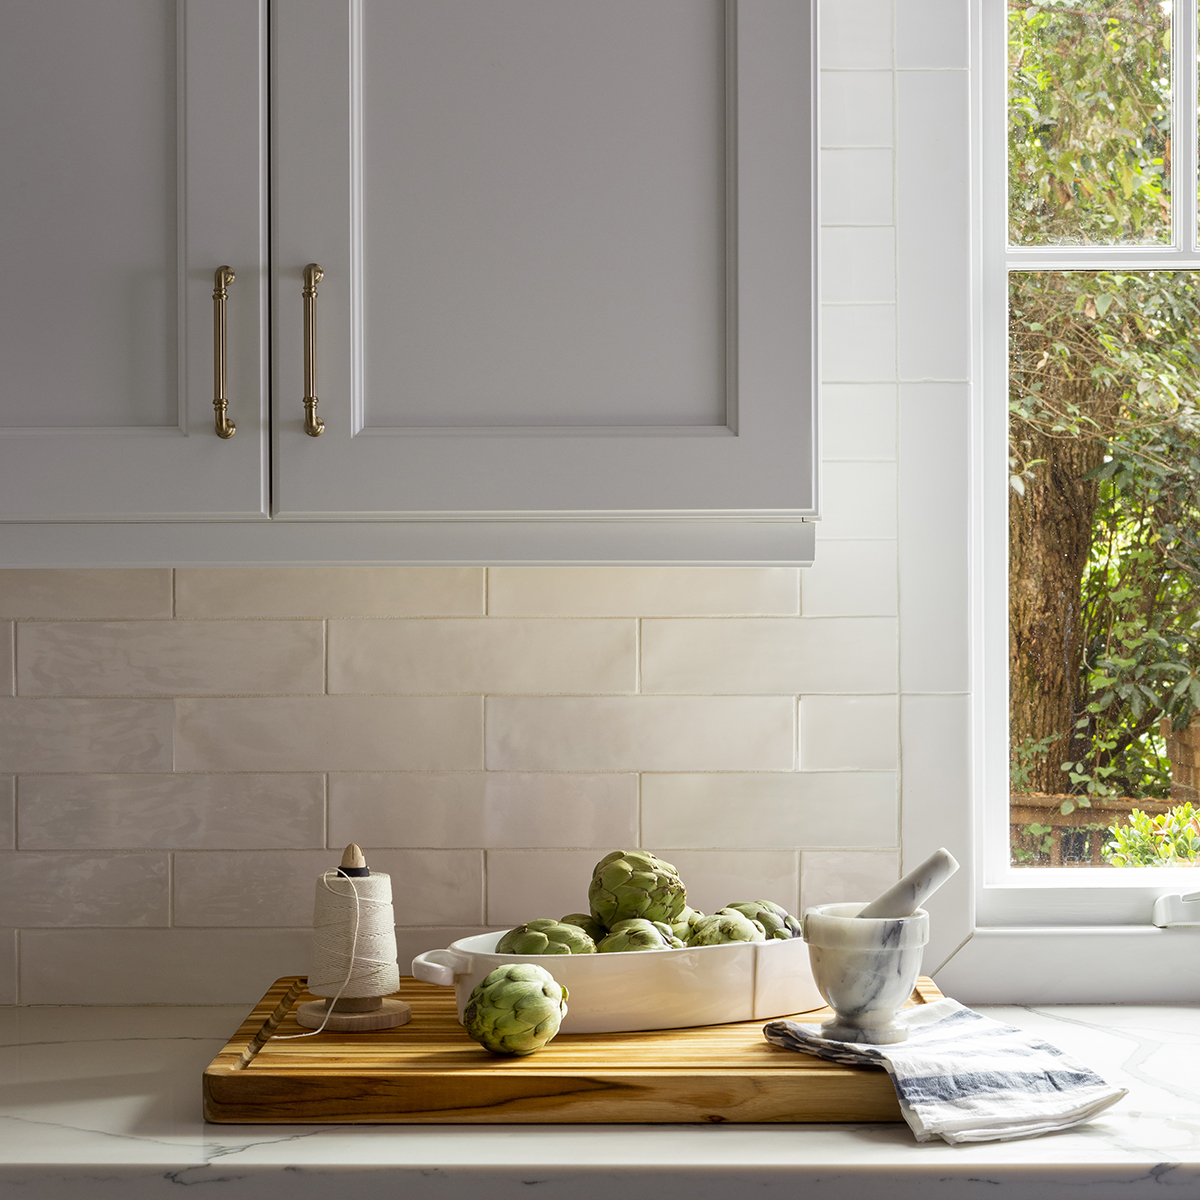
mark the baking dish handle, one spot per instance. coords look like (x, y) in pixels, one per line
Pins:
(440, 966)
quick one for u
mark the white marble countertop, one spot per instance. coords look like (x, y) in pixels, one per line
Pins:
(105, 1102)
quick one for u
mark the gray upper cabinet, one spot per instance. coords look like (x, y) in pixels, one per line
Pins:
(566, 304)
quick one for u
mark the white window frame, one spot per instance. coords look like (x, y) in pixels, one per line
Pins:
(1051, 934)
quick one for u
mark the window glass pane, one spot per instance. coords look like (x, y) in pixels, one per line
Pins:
(1089, 139)
(1104, 567)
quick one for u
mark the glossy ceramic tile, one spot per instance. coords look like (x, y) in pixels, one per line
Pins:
(158, 966)
(715, 878)
(487, 655)
(332, 733)
(842, 876)
(240, 889)
(839, 733)
(935, 437)
(329, 591)
(856, 34)
(856, 187)
(640, 733)
(858, 265)
(49, 595)
(8, 966)
(85, 735)
(770, 810)
(858, 342)
(411, 942)
(523, 885)
(851, 579)
(186, 812)
(858, 420)
(856, 108)
(8, 812)
(170, 658)
(493, 809)
(932, 34)
(858, 500)
(642, 591)
(933, 202)
(83, 889)
(767, 655)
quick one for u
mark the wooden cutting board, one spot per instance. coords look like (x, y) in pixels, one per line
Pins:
(430, 1072)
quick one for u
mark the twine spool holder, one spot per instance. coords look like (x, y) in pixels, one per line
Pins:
(356, 1014)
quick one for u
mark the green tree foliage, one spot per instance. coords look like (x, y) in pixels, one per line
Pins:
(1089, 122)
(1172, 839)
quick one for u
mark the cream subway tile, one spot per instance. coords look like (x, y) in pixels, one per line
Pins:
(7, 673)
(858, 421)
(50, 595)
(856, 34)
(83, 889)
(851, 579)
(331, 733)
(859, 500)
(411, 942)
(858, 265)
(715, 878)
(845, 876)
(769, 655)
(169, 658)
(8, 812)
(186, 812)
(85, 735)
(523, 885)
(776, 810)
(640, 733)
(856, 187)
(643, 591)
(858, 342)
(329, 591)
(840, 733)
(158, 966)
(856, 108)
(933, 34)
(486, 655)
(493, 809)
(8, 966)
(256, 888)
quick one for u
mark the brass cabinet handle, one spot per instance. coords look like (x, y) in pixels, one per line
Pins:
(222, 278)
(313, 425)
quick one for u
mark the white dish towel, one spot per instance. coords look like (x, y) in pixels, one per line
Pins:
(963, 1077)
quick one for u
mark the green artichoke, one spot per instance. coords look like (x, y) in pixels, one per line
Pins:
(544, 936)
(633, 883)
(728, 925)
(681, 927)
(516, 1010)
(587, 923)
(638, 934)
(775, 920)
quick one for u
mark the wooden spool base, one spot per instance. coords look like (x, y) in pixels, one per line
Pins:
(387, 1014)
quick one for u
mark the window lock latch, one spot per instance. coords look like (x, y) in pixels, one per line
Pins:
(1176, 911)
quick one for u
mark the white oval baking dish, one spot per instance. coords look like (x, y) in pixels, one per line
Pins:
(647, 989)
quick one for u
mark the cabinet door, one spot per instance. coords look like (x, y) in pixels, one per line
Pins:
(132, 134)
(568, 256)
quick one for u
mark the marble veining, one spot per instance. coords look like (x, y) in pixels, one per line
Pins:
(82, 1116)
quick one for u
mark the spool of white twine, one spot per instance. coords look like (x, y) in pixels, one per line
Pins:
(354, 937)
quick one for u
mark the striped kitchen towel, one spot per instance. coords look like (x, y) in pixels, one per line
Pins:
(963, 1077)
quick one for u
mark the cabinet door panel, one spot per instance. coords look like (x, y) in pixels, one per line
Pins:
(133, 145)
(568, 256)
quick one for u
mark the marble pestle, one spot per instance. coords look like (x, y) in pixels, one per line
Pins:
(904, 898)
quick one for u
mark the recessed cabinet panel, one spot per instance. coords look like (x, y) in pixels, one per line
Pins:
(567, 252)
(133, 155)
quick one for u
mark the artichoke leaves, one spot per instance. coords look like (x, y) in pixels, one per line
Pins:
(634, 883)
(728, 925)
(639, 934)
(587, 923)
(545, 936)
(516, 1009)
(776, 921)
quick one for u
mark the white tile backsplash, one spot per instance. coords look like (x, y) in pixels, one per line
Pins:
(191, 748)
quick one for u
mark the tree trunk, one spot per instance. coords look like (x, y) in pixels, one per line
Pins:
(1050, 534)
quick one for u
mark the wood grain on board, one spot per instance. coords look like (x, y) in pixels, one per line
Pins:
(430, 1072)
